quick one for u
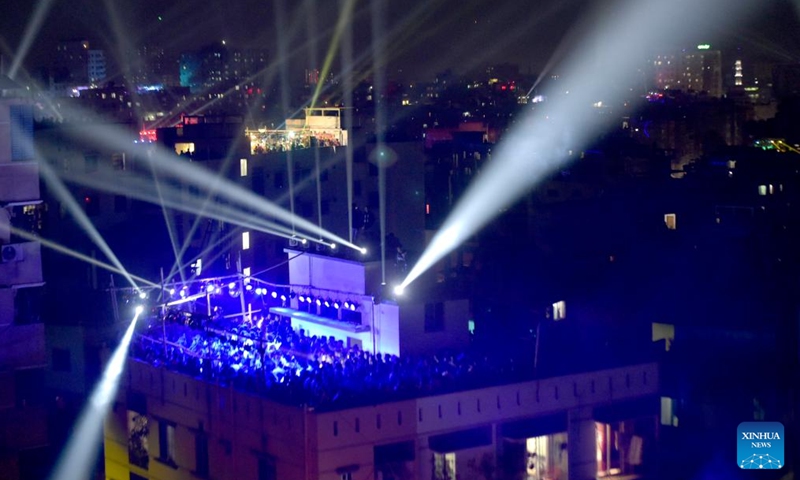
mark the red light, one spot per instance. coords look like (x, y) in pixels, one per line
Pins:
(427, 209)
(503, 87)
(249, 91)
(87, 199)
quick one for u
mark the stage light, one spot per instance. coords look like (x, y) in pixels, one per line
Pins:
(232, 285)
(352, 307)
(301, 299)
(210, 288)
(172, 291)
(248, 287)
(319, 302)
(139, 309)
(183, 293)
(336, 305)
(283, 298)
(274, 294)
(363, 250)
(333, 246)
(346, 305)
(304, 241)
(327, 303)
(398, 290)
(142, 295)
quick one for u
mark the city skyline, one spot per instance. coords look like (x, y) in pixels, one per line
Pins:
(472, 35)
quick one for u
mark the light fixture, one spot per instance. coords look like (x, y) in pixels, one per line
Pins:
(336, 305)
(319, 302)
(398, 290)
(232, 285)
(274, 294)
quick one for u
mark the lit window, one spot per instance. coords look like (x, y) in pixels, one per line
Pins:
(762, 190)
(560, 310)
(670, 220)
(245, 240)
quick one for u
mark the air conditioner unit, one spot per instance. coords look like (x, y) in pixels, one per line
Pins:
(12, 253)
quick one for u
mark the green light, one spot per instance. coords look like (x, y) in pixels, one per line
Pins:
(703, 46)
(159, 18)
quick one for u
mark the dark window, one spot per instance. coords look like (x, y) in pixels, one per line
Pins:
(91, 204)
(91, 161)
(201, 453)
(120, 203)
(434, 317)
(374, 201)
(266, 469)
(166, 442)
(259, 186)
(61, 360)
(21, 117)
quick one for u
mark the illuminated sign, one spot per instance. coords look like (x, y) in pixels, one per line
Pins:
(704, 46)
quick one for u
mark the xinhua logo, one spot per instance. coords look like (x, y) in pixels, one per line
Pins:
(759, 445)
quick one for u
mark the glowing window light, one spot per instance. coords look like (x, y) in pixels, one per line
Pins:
(243, 167)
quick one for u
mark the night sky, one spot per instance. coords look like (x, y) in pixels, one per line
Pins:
(428, 36)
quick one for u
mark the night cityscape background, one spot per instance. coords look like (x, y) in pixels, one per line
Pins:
(439, 240)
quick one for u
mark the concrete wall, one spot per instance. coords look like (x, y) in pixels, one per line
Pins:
(19, 182)
(251, 426)
(326, 273)
(28, 270)
(415, 340)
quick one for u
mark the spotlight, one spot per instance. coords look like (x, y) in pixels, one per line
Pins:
(283, 298)
(139, 309)
(336, 305)
(319, 302)
(248, 288)
(301, 299)
(304, 241)
(327, 303)
(363, 250)
(333, 246)
(398, 290)
(210, 288)
(352, 307)
(274, 294)
(346, 305)
(142, 295)
(258, 291)
(232, 285)
(172, 291)
(183, 293)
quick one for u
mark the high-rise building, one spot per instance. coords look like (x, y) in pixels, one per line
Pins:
(702, 71)
(71, 65)
(697, 71)
(96, 66)
(23, 427)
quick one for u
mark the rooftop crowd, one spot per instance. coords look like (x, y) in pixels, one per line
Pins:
(265, 355)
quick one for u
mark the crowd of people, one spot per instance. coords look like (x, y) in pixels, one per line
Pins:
(270, 142)
(266, 355)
